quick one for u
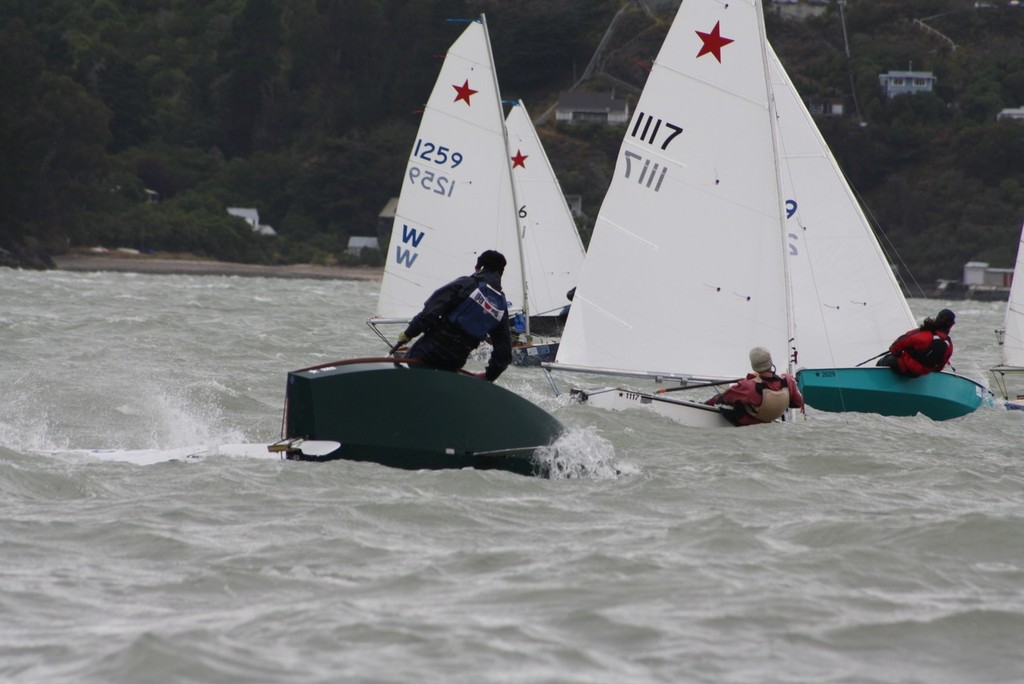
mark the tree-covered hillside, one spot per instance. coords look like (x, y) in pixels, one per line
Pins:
(306, 110)
(942, 177)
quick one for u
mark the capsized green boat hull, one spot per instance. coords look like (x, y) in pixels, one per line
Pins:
(403, 414)
(940, 396)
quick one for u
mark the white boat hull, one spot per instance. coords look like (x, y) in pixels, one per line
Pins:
(1008, 381)
(682, 411)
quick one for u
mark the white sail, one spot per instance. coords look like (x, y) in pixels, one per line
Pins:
(694, 261)
(1013, 337)
(1008, 376)
(456, 199)
(847, 305)
(552, 248)
(686, 268)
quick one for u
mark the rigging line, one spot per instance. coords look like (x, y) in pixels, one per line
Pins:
(876, 225)
(378, 333)
(849, 64)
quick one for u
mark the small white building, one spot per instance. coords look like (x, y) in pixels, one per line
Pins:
(252, 217)
(1012, 114)
(599, 108)
(980, 274)
(824, 106)
(907, 83)
(357, 243)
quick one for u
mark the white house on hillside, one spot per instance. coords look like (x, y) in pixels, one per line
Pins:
(357, 243)
(601, 108)
(906, 83)
(1012, 114)
(824, 106)
(252, 217)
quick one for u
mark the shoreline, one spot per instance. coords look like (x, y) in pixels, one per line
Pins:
(162, 265)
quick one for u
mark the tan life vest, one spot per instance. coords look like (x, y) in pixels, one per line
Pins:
(774, 403)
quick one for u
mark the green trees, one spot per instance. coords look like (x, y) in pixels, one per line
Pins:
(306, 110)
(936, 170)
(53, 136)
(250, 93)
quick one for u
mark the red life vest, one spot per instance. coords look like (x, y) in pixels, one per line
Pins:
(920, 352)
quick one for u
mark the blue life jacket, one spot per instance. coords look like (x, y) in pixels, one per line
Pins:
(479, 313)
(519, 324)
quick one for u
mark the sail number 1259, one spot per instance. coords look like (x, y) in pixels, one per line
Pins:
(428, 179)
(434, 182)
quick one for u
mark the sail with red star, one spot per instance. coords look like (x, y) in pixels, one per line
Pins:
(713, 42)
(728, 225)
(456, 198)
(552, 248)
(692, 212)
(463, 92)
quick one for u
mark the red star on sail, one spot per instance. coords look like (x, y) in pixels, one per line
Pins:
(713, 43)
(464, 92)
(519, 159)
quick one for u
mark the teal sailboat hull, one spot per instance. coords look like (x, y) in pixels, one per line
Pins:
(940, 396)
(405, 415)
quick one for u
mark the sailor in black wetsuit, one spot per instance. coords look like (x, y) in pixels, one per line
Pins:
(461, 315)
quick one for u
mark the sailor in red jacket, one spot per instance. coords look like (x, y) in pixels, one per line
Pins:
(923, 350)
(762, 396)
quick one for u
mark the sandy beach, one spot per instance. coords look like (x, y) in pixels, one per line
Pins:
(172, 265)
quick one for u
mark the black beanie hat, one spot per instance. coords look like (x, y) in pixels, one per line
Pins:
(491, 261)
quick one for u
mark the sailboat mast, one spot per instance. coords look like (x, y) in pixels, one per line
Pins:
(508, 166)
(774, 119)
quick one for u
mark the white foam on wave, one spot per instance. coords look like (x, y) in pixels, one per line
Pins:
(178, 416)
(580, 452)
(159, 418)
(187, 454)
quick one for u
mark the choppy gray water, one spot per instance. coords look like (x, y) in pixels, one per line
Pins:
(843, 548)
